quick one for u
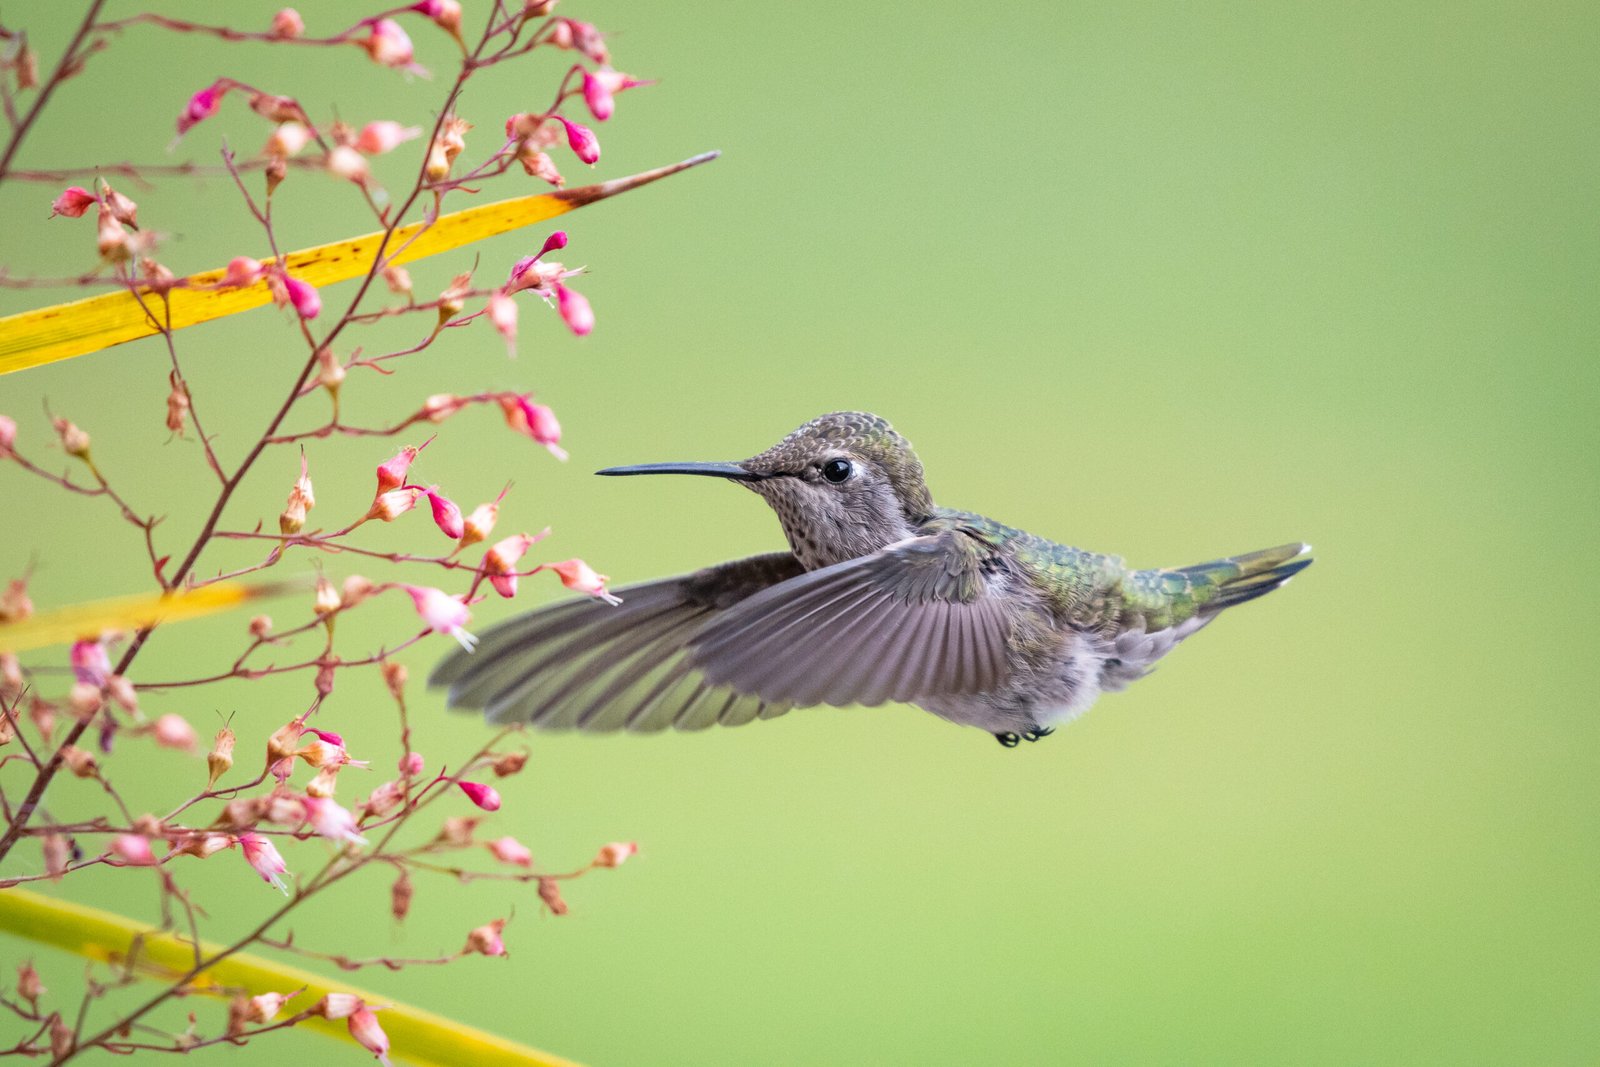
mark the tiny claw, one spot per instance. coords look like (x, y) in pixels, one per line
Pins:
(1038, 732)
(1008, 739)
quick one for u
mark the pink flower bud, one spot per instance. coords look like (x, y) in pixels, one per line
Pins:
(345, 162)
(8, 434)
(580, 36)
(369, 1035)
(446, 515)
(201, 106)
(392, 472)
(485, 796)
(537, 164)
(383, 800)
(615, 854)
(263, 856)
(510, 850)
(486, 939)
(446, 14)
(533, 420)
(265, 1007)
(72, 203)
(288, 23)
(338, 1006)
(29, 987)
(443, 613)
(90, 662)
(133, 850)
(174, 731)
(389, 44)
(503, 316)
(584, 144)
(287, 140)
(307, 304)
(479, 524)
(391, 505)
(383, 136)
(242, 270)
(411, 764)
(577, 575)
(330, 820)
(575, 310)
(599, 88)
(501, 560)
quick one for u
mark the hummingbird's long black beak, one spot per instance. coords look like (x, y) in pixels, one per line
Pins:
(713, 470)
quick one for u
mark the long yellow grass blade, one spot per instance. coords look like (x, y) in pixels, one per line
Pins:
(131, 613)
(33, 338)
(417, 1036)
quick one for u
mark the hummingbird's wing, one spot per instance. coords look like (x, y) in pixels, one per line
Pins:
(585, 665)
(915, 619)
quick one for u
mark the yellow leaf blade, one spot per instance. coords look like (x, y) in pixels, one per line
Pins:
(137, 612)
(417, 1036)
(62, 331)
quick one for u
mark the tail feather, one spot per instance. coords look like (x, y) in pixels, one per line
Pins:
(1239, 579)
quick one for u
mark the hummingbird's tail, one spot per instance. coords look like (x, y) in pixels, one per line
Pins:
(1239, 579)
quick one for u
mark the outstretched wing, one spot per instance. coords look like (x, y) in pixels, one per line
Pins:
(585, 665)
(915, 619)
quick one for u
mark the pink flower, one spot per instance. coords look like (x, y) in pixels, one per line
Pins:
(533, 420)
(133, 850)
(174, 731)
(486, 939)
(389, 44)
(446, 515)
(264, 1007)
(575, 310)
(345, 162)
(201, 106)
(503, 316)
(411, 764)
(443, 613)
(501, 560)
(288, 23)
(325, 750)
(73, 202)
(582, 36)
(242, 270)
(391, 505)
(485, 796)
(338, 1005)
(8, 434)
(392, 472)
(480, 523)
(616, 853)
(584, 144)
(577, 575)
(384, 136)
(287, 140)
(90, 663)
(510, 850)
(529, 273)
(330, 820)
(599, 88)
(446, 14)
(303, 296)
(365, 1029)
(263, 855)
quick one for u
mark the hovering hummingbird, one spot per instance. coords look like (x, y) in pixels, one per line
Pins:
(882, 596)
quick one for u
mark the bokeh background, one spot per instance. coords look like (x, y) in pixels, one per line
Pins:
(1167, 280)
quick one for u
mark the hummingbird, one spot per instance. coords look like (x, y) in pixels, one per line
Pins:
(882, 596)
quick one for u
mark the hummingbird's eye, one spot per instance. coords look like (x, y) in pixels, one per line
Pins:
(837, 470)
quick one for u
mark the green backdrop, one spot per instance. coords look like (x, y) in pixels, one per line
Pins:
(1167, 280)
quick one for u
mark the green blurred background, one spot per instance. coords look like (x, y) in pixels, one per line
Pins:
(1167, 280)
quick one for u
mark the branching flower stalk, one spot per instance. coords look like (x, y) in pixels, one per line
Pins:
(48, 708)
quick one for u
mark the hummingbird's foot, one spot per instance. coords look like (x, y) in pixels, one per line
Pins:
(1037, 732)
(1008, 739)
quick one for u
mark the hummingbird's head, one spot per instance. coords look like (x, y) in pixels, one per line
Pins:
(843, 485)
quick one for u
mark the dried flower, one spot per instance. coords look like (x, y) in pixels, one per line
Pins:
(220, 758)
(391, 505)
(398, 279)
(287, 140)
(264, 857)
(615, 854)
(443, 613)
(400, 895)
(509, 763)
(345, 162)
(510, 850)
(550, 893)
(486, 939)
(485, 796)
(577, 575)
(85, 699)
(177, 404)
(383, 800)
(29, 987)
(338, 1006)
(73, 202)
(394, 676)
(80, 762)
(581, 37)
(264, 1007)
(74, 442)
(57, 855)
(457, 830)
